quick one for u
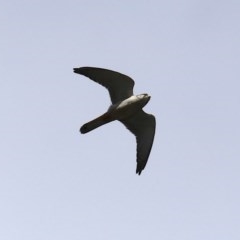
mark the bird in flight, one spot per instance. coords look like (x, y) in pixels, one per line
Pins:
(126, 108)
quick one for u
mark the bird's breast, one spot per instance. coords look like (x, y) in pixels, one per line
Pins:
(126, 108)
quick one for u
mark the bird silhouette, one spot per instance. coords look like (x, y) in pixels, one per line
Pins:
(126, 108)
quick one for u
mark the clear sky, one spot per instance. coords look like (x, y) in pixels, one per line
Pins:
(58, 184)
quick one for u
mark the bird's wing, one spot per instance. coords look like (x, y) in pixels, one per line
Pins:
(119, 86)
(142, 125)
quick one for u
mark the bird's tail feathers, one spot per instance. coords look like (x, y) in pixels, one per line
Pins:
(95, 123)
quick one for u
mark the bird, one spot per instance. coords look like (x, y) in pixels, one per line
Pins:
(126, 108)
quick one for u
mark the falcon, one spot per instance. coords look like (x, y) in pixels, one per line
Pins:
(126, 108)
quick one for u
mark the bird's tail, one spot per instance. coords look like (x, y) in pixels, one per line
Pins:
(95, 123)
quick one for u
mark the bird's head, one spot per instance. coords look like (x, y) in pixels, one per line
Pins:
(144, 98)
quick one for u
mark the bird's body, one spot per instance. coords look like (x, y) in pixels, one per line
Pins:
(126, 107)
(118, 111)
(129, 106)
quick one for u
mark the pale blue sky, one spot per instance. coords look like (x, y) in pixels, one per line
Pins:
(58, 184)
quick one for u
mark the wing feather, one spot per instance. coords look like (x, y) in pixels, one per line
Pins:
(143, 126)
(119, 85)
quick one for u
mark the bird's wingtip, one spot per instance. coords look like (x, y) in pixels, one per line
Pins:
(138, 171)
(75, 70)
